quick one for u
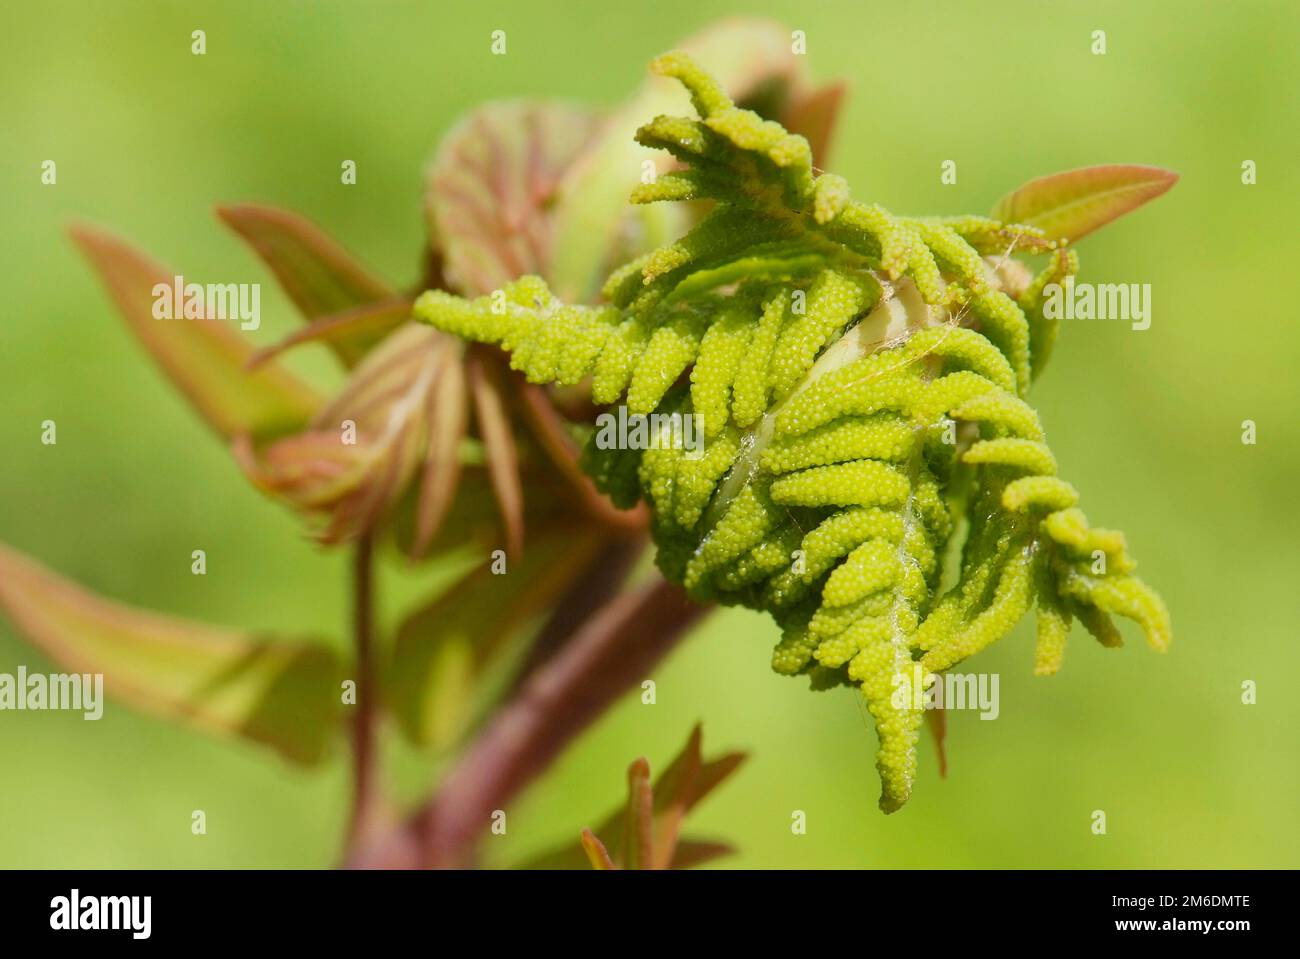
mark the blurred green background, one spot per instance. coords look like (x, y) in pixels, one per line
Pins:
(148, 137)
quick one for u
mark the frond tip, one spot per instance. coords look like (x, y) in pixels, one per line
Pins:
(861, 379)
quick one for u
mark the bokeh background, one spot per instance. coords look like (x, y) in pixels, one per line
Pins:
(148, 137)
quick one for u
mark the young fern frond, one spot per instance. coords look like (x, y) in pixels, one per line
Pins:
(861, 379)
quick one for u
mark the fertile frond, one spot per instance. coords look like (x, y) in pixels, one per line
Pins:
(861, 380)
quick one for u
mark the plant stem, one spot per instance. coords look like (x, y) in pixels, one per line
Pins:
(594, 588)
(608, 653)
(364, 791)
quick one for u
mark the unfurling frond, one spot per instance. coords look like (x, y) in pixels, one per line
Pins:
(861, 380)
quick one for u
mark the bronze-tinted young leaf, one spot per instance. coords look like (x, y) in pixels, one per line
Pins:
(474, 519)
(444, 650)
(596, 852)
(673, 798)
(361, 450)
(1070, 205)
(321, 277)
(594, 227)
(312, 470)
(353, 328)
(813, 115)
(488, 390)
(205, 358)
(489, 190)
(647, 829)
(683, 784)
(285, 694)
(448, 420)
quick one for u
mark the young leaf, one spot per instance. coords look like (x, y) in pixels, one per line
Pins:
(444, 649)
(813, 116)
(489, 190)
(474, 519)
(319, 276)
(354, 463)
(205, 358)
(448, 421)
(596, 852)
(488, 390)
(285, 694)
(358, 327)
(673, 796)
(647, 829)
(1070, 205)
(747, 55)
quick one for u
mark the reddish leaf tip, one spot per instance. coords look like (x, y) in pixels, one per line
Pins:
(596, 852)
(1070, 205)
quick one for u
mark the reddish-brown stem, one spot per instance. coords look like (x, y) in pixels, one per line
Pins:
(594, 587)
(365, 712)
(610, 652)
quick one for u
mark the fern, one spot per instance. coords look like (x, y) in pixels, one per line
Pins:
(872, 474)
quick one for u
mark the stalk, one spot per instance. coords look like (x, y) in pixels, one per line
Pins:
(364, 757)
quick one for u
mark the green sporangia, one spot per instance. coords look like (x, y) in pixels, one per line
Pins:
(871, 474)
